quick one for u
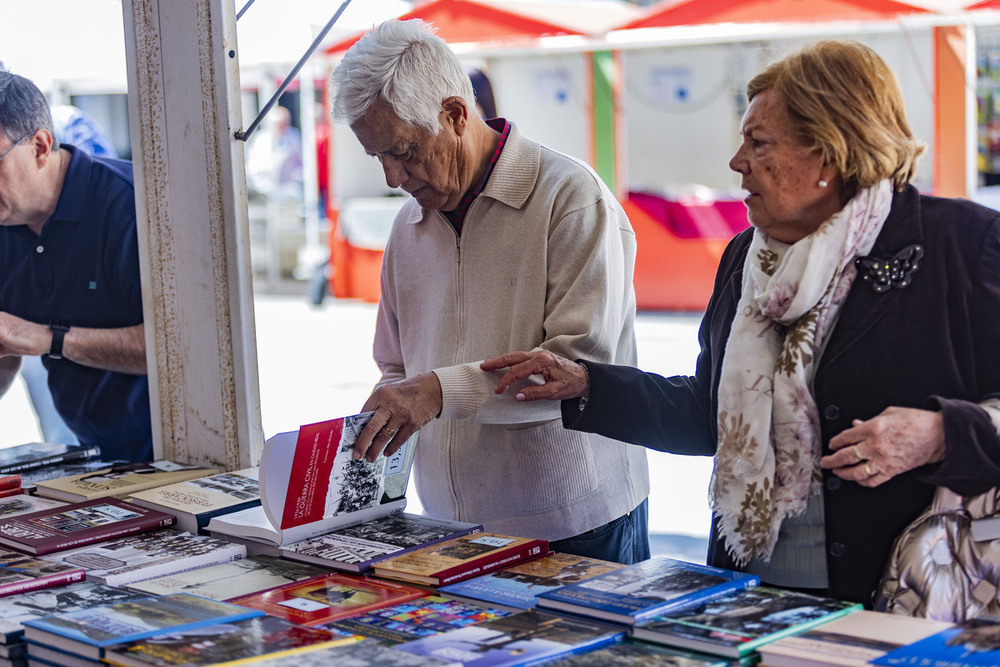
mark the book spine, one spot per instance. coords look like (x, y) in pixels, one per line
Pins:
(526, 551)
(11, 492)
(10, 482)
(36, 584)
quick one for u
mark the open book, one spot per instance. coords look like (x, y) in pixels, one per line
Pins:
(310, 485)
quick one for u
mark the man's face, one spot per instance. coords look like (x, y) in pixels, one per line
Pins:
(429, 167)
(14, 173)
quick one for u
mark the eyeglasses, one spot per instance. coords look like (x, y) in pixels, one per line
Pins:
(14, 145)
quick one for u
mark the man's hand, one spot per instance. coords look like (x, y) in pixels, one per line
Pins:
(563, 378)
(874, 451)
(401, 409)
(19, 337)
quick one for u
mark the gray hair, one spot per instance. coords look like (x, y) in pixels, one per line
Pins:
(23, 108)
(405, 65)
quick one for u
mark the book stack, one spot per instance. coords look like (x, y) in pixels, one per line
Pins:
(81, 637)
(10, 485)
(656, 586)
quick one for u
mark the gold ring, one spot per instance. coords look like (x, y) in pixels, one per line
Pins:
(857, 452)
(868, 470)
(391, 432)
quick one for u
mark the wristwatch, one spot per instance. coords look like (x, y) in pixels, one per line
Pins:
(59, 330)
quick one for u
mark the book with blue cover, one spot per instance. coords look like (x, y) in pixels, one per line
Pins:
(642, 590)
(736, 624)
(405, 622)
(974, 643)
(519, 586)
(522, 638)
(87, 632)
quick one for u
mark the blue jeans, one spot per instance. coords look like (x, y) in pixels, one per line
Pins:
(624, 540)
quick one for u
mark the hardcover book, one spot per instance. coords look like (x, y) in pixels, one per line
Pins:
(461, 558)
(640, 654)
(20, 573)
(974, 643)
(328, 598)
(521, 638)
(233, 643)
(118, 481)
(407, 621)
(519, 585)
(639, 591)
(849, 641)
(132, 558)
(194, 502)
(736, 624)
(88, 631)
(21, 607)
(310, 485)
(356, 548)
(29, 478)
(77, 524)
(233, 579)
(40, 454)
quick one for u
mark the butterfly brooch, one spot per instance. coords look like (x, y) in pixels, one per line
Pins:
(881, 274)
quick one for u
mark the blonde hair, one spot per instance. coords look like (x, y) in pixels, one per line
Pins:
(847, 105)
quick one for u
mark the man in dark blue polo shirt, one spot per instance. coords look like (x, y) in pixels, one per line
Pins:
(69, 285)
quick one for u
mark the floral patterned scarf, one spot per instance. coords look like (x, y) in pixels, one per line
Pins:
(767, 462)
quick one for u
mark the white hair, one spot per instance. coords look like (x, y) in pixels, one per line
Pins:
(405, 65)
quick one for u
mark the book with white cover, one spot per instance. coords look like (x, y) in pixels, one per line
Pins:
(126, 560)
(310, 484)
(194, 502)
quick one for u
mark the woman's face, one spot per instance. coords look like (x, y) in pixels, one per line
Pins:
(781, 174)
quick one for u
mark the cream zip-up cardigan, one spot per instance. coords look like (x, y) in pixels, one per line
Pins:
(545, 260)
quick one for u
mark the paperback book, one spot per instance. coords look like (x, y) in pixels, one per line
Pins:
(233, 579)
(461, 558)
(132, 558)
(77, 524)
(21, 607)
(849, 641)
(974, 643)
(407, 621)
(88, 631)
(30, 478)
(738, 623)
(328, 598)
(356, 548)
(310, 485)
(521, 638)
(233, 643)
(194, 502)
(519, 585)
(642, 590)
(20, 573)
(40, 454)
(118, 481)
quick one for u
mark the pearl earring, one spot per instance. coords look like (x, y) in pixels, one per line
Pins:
(822, 184)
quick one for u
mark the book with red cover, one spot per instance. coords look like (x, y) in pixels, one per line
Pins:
(328, 598)
(461, 558)
(77, 524)
(20, 573)
(10, 482)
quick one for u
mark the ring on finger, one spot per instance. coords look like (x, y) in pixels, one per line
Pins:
(391, 432)
(868, 470)
(857, 453)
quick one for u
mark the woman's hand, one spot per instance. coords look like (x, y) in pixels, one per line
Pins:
(874, 451)
(563, 378)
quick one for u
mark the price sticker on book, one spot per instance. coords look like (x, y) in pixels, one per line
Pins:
(302, 604)
(492, 541)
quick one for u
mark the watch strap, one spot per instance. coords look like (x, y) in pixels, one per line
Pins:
(59, 330)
